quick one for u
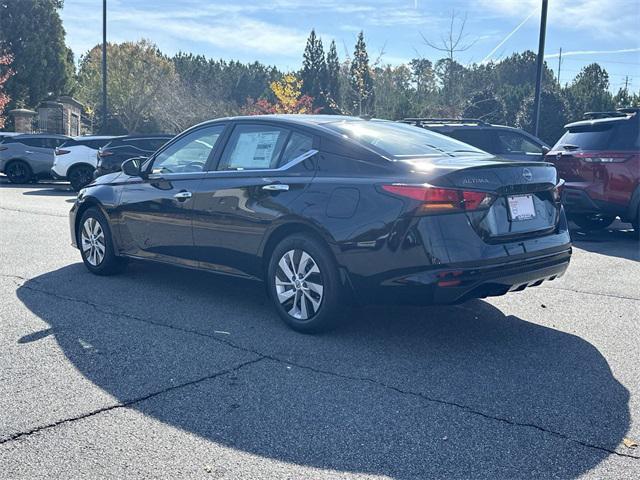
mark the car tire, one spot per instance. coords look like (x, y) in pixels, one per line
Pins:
(18, 171)
(80, 176)
(96, 244)
(304, 284)
(636, 224)
(592, 222)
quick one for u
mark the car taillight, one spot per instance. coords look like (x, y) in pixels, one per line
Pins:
(61, 152)
(105, 153)
(3, 148)
(440, 200)
(603, 157)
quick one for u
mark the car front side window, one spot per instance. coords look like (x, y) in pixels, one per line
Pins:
(190, 153)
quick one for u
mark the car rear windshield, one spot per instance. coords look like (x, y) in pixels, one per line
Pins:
(620, 135)
(401, 140)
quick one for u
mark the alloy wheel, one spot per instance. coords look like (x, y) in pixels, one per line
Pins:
(93, 242)
(299, 286)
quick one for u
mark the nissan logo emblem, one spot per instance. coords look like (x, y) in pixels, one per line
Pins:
(527, 175)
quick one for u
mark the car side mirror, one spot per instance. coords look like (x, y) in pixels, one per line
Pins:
(132, 167)
(545, 150)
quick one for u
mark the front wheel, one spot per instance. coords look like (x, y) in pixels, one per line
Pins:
(304, 284)
(96, 244)
(592, 222)
(80, 176)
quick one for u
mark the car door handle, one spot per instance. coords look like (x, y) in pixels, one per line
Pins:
(181, 196)
(28, 151)
(276, 187)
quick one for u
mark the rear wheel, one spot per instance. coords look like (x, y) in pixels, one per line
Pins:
(80, 176)
(18, 172)
(96, 244)
(592, 222)
(304, 284)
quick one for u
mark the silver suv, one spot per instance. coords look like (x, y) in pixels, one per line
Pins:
(28, 157)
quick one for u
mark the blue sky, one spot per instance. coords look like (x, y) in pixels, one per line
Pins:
(275, 31)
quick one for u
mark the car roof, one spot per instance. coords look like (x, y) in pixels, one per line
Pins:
(600, 121)
(42, 135)
(137, 136)
(9, 134)
(94, 137)
(296, 118)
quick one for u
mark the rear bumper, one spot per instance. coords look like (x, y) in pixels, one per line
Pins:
(457, 284)
(577, 201)
(57, 176)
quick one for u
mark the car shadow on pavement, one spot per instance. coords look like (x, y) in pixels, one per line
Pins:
(45, 189)
(457, 392)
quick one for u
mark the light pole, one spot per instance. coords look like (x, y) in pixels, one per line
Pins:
(104, 66)
(540, 64)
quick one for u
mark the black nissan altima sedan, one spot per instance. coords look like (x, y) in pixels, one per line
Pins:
(328, 211)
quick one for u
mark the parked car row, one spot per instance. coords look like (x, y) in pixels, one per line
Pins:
(598, 158)
(32, 157)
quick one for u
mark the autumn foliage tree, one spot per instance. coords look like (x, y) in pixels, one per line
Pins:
(288, 99)
(5, 74)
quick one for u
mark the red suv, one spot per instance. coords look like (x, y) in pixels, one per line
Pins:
(599, 160)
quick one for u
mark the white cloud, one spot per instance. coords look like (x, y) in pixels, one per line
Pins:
(608, 18)
(592, 52)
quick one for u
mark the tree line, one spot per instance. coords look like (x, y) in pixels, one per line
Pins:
(151, 91)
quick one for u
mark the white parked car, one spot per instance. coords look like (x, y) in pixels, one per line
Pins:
(76, 159)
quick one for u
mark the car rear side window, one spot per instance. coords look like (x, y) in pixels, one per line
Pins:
(95, 144)
(401, 140)
(511, 142)
(154, 144)
(297, 145)
(479, 137)
(253, 147)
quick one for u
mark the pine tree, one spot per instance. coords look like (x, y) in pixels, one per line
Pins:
(332, 88)
(360, 80)
(314, 71)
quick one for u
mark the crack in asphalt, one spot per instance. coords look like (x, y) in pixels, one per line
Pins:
(127, 403)
(262, 356)
(611, 295)
(33, 212)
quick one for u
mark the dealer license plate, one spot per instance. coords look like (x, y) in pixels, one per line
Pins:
(521, 207)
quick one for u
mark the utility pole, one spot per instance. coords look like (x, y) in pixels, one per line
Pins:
(540, 64)
(559, 66)
(626, 83)
(104, 66)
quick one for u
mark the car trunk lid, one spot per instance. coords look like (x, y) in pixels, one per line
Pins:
(524, 195)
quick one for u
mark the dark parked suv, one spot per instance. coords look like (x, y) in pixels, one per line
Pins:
(111, 156)
(500, 140)
(599, 159)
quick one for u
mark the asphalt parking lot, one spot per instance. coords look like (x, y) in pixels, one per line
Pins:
(161, 372)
